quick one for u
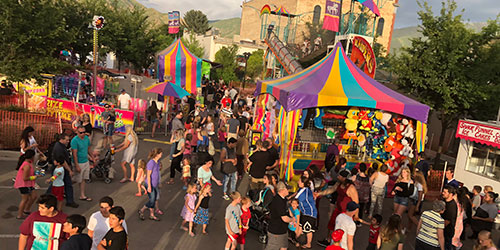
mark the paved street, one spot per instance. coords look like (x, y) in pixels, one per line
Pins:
(151, 234)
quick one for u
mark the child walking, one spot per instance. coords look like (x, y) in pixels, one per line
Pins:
(58, 182)
(139, 178)
(187, 212)
(233, 222)
(186, 172)
(245, 220)
(376, 221)
(201, 208)
(294, 227)
(222, 137)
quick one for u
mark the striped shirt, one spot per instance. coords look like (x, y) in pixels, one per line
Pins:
(431, 222)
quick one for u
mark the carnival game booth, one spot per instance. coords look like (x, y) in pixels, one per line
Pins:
(179, 66)
(478, 158)
(334, 99)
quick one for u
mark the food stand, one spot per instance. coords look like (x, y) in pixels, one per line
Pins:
(478, 158)
(336, 100)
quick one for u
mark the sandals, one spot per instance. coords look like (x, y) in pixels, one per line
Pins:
(158, 211)
(191, 234)
(85, 199)
(123, 180)
(152, 217)
(22, 217)
(170, 182)
(141, 215)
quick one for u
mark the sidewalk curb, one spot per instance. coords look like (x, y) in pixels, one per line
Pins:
(8, 155)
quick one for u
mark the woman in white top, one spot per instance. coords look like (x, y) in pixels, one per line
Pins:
(28, 142)
(129, 146)
(378, 181)
(414, 205)
(209, 126)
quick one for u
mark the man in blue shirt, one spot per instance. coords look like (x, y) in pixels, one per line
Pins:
(450, 181)
(80, 146)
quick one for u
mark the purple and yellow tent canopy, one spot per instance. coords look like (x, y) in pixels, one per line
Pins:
(336, 81)
(182, 66)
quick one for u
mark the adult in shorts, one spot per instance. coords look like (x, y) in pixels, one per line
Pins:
(280, 217)
(129, 148)
(108, 118)
(80, 147)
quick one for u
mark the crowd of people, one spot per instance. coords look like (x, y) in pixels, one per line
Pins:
(215, 135)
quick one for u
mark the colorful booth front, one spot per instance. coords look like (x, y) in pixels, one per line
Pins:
(337, 100)
(178, 65)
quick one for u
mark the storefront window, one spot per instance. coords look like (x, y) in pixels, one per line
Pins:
(484, 160)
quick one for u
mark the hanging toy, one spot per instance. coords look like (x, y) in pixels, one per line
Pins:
(351, 124)
(366, 122)
(330, 133)
(302, 120)
(318, 118)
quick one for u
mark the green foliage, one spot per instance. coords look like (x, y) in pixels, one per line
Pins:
(195, 21)
(32, 32)
(194, 46)
(440, 68)
(255, 64)
(227, 57)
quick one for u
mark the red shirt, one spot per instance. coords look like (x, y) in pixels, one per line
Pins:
(373, 234)
(44, 229)
(245, 216)
(332, 247)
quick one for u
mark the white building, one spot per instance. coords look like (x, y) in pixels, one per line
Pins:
(478, 159)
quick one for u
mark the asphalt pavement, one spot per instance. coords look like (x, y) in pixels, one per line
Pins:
(164, 234)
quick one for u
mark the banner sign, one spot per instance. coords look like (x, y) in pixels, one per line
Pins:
(479, 133)
(68, 110)
(332, 15)
(362, 55)
(173, 22)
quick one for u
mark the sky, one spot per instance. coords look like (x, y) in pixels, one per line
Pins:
(475, 10)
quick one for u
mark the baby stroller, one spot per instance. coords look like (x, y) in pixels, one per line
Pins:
(260, 213)
(102, 169)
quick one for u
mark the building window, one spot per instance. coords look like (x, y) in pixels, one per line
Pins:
(317, 14)
(380, 26)
(484, 160)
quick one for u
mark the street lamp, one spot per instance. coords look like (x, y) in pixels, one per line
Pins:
(246, 55)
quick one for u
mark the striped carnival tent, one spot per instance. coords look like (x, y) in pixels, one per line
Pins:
(336, 81)
(177, 63)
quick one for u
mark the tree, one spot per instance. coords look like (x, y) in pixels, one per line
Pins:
(32, 32)
(194, 46)
(227, 57)
(79, 16)
(437, 67)
(255, 64)
(195, 21)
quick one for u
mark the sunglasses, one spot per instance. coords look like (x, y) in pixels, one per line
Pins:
(81, 132)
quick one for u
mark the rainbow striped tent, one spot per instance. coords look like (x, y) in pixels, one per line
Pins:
(336, 81)
(182, 66)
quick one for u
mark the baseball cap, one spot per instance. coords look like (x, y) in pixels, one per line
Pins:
(345, 173)
(352, 206)
(337, 235)
(107, 105)
(123, 90)
(92, 93)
